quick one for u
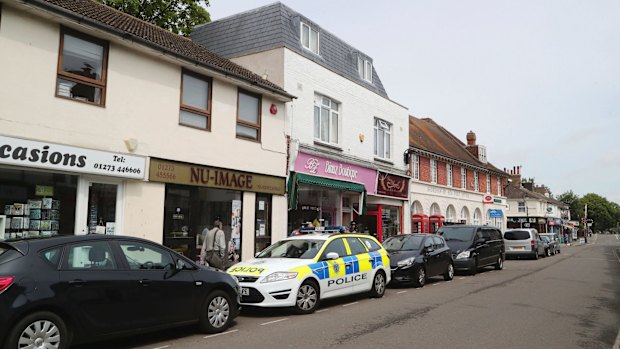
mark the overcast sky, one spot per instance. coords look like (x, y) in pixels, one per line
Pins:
(538, 81)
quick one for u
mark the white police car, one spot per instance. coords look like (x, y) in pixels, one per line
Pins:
(301, 270)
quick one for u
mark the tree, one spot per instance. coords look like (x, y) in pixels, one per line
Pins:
(574, 204)
(178, 16)
(603, 213)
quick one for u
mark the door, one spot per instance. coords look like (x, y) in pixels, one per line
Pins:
(430, 256)
(495, 243)
(99, 206)
(358, 265)
(336, 282)
(165, 295)
(483, 247)
(442, 255)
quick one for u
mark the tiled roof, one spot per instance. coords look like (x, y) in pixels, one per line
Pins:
(512, 192)
(128, 27)
(277, 25)
(425, 134)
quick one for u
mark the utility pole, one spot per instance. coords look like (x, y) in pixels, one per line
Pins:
(585, 230)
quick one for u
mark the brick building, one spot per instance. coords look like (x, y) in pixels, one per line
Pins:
(452, 182)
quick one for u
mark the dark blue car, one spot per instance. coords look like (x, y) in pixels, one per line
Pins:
(72, 289)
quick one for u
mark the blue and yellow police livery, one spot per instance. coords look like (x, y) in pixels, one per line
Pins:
(301, 270)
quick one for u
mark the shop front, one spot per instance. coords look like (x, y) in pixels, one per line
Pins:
(386, 208)
(328, 192)
(196, 196)
(52, 189)
(494, 210)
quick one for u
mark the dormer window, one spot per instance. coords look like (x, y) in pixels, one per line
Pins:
(364, 68)
(482, 154)
(309, 38)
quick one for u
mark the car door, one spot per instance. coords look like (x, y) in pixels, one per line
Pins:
(442, 255)
(429, 256)
(362, 278)
(494, 242)
(483, 247)
(166, 295)
(97, 290)
(335, 283)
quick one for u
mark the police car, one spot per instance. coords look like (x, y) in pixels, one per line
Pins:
(301, 270)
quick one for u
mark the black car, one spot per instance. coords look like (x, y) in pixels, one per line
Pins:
(416, 257)
(72, 289)
(474, 246)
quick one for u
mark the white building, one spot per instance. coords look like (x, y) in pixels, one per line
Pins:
(109, 124)
(347, 136)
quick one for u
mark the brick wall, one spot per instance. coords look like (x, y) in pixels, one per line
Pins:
(456, 176)
(425, 169)
(494, 185)
(470, 179)
(482, 182)
(442, 176)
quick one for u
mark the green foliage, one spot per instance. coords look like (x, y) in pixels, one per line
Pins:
(604, 214)
(178, 16)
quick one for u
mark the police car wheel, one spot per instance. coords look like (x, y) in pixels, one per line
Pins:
(216, 314)
(378, 285)
(307, 298)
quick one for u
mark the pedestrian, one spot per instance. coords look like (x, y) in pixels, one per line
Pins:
(353, 227)
(214, 249)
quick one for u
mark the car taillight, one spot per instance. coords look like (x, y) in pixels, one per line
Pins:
(532, 242)
(5, 282)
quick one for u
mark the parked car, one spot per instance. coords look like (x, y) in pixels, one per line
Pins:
(554, 242)
(523, 243)
(417, 257)
(302, 270)
(72, 289)
(474, 246)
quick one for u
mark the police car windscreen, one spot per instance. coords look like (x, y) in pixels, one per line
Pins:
(304, 249)
(403, 243)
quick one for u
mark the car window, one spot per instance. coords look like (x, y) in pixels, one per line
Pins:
(405, 242)
(428, 242)
(52, 256)
(517, 235)
(371, 244)
(90, 255)
(486, 235)
(495, 234)
(142, 256)
(456, 233)
(356, 246)
(337, 246)
(437, 242)
(294, 248)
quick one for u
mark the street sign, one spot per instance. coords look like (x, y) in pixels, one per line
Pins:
(590, 221)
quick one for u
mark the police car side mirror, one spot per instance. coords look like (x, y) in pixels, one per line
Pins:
(332, 256)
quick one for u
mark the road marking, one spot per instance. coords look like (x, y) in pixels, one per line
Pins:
(322, 310)
(346, 305)
(165, 346)
(274, 321)
(401, 292)
(617, 344)
(435, 284)
(219, 334)
(462, 278)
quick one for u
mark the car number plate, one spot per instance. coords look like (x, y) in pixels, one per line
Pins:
(518, 248)
(245, 291)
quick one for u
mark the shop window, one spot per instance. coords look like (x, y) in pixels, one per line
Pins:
(102, 208)
(390, 216)
(195, 101)
(82, 67)
(36, 203)
(262, 213)
(326, 119)
(248, 116)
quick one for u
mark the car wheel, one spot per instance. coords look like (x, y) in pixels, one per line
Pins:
(307, 298)
(378, 285)
(474, 269)
(536, 254)
(39, 330)
(548, 253)
(500, 263)
(419, 277)
(216, 314)
(449, 275)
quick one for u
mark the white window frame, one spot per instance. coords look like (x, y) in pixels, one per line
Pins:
(488, 183)
(433, 171)
(499, 186)
(309, 43)
(364, 68)
(416, 167)
(449, 174)
(463, 178)
(521, 207)
(476, 184)
(382, 126)
(326, 103)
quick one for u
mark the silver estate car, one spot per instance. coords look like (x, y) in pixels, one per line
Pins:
(523, 243)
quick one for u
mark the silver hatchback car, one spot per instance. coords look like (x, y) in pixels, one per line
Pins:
(523, 243)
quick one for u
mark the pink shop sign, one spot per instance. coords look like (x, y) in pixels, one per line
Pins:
(324, 167)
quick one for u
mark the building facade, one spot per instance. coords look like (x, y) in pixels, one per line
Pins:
(452, 182)
(129, 129)
(346, 136)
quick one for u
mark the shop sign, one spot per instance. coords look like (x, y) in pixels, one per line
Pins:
(446, 192)
(334, 169)
(487, 199)
(495, 213)
(542, 221)
(51, 156)
(391, 185)
(498, 200)
(212, 177)
(43, 190)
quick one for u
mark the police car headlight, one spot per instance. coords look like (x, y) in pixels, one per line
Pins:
(463, 255)
(279, 276)
(406, 262)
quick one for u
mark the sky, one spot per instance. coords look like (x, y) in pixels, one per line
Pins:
(538, 81)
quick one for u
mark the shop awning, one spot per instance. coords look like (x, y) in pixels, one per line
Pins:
(300, 178)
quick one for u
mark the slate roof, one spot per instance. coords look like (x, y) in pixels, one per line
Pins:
(425, 134)
(131, 28)
(513, 192)
(276, 25)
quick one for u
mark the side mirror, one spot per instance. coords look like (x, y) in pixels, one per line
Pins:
(179, 265)
(332, 256)
(256, 254)
(429, 249)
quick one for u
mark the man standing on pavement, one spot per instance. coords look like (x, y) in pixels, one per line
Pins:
(213, 249)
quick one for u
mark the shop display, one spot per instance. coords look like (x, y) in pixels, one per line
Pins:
(34, 218)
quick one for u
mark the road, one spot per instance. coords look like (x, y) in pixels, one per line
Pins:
(571, 300)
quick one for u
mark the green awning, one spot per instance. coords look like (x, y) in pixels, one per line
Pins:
(300, 178)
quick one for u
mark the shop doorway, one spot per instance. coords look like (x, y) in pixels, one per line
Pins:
(99, 206)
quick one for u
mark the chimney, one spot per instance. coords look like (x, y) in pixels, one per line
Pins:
(471, 144)
(471, 138)
(515, 177)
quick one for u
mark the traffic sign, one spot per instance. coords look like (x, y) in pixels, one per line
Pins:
(583, 220)
(590, 221)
